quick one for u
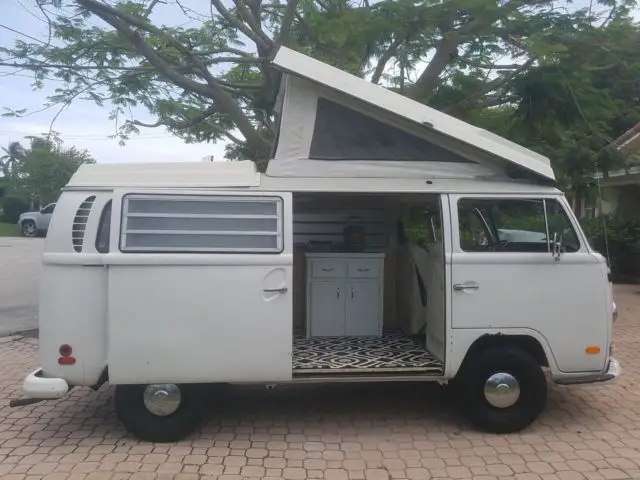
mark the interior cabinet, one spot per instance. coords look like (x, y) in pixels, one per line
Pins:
(344, 294)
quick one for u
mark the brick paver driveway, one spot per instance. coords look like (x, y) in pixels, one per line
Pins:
(338, 432)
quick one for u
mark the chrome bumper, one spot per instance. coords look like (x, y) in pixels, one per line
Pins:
(38, 386)
(611, 374)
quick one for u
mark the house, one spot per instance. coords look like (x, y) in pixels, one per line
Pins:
(620, 189)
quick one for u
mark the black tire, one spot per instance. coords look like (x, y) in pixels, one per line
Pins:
(139, 421)
(531, 379)
(28, 229)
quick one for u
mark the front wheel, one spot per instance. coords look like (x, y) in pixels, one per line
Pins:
(29, 228)
(161, 412)
(504, 390)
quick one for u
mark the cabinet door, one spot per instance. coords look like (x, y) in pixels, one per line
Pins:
(363, 308)
(327, 309)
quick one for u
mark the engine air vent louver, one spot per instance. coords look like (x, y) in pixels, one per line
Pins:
(80, 223)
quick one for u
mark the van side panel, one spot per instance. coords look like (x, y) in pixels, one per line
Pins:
(197, 324)
(195, 314)
(72, 313)
(73, 291)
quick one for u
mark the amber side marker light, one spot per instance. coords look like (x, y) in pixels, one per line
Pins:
(592, 350)
(65, 352)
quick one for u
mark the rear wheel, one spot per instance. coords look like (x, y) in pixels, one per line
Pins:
(503, 390)
(29, 228)
(161, 412)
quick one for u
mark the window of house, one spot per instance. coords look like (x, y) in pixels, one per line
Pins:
(514, 225)
(206, 224)
(341, 133)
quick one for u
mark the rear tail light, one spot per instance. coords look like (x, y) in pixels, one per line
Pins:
(65, 352)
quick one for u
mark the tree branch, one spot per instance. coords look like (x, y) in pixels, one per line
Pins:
(213, 90)
(287, 22)
(384, 58)
(446, 51)
(226, 14)
(488, 87)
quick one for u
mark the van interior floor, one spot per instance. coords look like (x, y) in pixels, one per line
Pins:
(393, 352)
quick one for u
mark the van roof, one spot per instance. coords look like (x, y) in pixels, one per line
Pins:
(244, 175)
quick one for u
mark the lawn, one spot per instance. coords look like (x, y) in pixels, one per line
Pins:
(9, 230)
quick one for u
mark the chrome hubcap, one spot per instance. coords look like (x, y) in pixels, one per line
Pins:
(162, 399)
(502, 390)
(29, 229)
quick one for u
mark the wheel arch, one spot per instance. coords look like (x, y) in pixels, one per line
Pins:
(470, 343)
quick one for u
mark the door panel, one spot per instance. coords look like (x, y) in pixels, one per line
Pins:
(200, 317)
(363, 307)
(564, 300)
(327, 304)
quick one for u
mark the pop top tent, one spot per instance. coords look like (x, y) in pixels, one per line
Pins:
(334, 124)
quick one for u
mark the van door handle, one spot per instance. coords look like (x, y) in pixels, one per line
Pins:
(276, 290)
(465, 286)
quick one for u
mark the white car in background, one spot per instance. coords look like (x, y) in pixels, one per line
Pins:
(36, 223)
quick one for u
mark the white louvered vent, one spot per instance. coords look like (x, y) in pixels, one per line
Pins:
(80, 223)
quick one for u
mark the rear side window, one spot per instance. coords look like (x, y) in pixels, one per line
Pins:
(104, 229)
(203, 224)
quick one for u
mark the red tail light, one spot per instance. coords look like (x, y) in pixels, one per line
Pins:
(65, 352)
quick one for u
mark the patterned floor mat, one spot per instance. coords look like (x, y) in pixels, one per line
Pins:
(392, 352)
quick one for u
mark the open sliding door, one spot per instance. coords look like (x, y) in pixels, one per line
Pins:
(437, 301)
(200, 287)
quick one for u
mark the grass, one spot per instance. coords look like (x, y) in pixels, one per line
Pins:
(9, 230)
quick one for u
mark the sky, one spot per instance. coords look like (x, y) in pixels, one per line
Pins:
(84, 124)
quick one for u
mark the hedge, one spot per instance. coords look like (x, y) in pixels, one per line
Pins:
(621, 234)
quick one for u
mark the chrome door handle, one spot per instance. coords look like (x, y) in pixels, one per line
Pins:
(466, 286)
(276, 290)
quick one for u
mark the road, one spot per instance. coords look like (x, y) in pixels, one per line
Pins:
(19, 283)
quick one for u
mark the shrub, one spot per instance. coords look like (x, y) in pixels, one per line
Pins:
(12, 207)
(623, 240)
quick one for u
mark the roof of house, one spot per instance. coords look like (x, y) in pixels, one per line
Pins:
(629, 140)
(303, 66)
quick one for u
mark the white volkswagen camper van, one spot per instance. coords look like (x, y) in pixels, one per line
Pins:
(386, 242)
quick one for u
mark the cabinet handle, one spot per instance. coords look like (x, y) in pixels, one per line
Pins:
(352, 293)
(337, 293)
(327, 269)
(364, 269)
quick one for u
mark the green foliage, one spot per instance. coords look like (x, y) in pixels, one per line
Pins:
(12, 207)
(39, 172)
(618, 237)
(48, 166)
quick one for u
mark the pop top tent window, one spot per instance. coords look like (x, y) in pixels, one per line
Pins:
(334, 124)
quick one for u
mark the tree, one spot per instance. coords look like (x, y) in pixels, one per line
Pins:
(48, 166)
(11, 160)
(213, 81)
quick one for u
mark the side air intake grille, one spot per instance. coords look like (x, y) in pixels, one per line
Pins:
(80, 223)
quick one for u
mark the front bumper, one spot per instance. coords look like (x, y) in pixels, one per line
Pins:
(36, 385)
(611, 374)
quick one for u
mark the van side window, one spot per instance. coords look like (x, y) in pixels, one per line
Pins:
(104, 229)
(201, 224)
(503, 225)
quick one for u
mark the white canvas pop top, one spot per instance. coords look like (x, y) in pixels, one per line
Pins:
(386, 242)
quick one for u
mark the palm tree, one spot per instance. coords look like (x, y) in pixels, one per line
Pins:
(10, 162)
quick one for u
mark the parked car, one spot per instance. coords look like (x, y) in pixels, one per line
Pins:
(36, 223)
